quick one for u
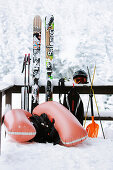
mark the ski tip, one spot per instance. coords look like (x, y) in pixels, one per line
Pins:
(37, 24)
(37, 17)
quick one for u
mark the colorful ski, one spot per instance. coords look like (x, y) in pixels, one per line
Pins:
(37, 24)
(49, 41)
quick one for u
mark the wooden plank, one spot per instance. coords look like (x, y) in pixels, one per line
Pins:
(0, 118)
(4, 87)
(85, 89)
(0, 104)
(82, 89)
(100, 118)
(8, 97)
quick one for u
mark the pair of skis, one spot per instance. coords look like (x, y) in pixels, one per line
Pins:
(49, 40)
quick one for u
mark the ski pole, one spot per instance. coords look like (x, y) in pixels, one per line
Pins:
(86, 113)
(28, 77)
(96, 104)
(24, 69)
(89, 97)
(25, 83)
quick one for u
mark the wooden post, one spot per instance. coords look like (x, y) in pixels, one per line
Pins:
(8, 97)
(0, 118)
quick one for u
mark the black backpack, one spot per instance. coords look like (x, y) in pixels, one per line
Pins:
(45, 130)
(72, 101)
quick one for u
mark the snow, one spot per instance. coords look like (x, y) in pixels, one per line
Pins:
(83, 37)
(93, 153)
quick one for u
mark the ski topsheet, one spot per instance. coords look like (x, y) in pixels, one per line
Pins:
(37, 24)
(49, 41)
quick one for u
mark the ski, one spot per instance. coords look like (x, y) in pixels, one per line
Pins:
(37, 24)
(49, 42)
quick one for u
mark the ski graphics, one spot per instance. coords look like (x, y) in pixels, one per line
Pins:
(37, 24)
(49, 41)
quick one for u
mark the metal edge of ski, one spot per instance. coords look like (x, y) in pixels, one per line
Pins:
(37, 25)
(49, 42)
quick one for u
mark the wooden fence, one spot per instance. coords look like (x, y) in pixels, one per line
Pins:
(82, 89)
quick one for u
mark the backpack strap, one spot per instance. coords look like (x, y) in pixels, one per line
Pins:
(65, 102)
(78, 104)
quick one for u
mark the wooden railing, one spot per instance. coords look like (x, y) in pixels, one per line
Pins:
(82, 89)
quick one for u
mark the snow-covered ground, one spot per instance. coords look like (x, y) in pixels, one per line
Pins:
(83, 37)
(90, 155)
